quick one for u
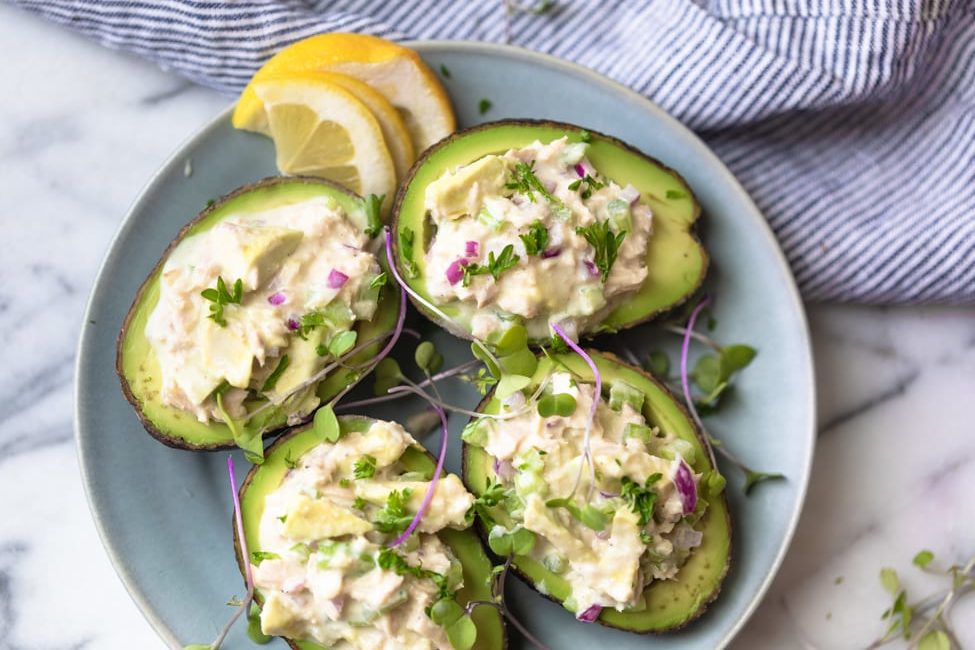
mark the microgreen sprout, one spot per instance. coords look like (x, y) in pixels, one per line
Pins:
(221, 297)
(428, 497)
(597, 392)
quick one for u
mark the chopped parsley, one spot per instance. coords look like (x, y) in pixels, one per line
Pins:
(321, 350)
(406, 237)
(259, 556)
(221, 297)
(309, 322)
(272, 379)
(493, 494)
(641, 499)
(484, 106)
(374, 222)
(588, 185)
(365, 467)
(585, 136)
(292, 463)
(359, 503)
(394, 518)
(444, 71)
(605, 244)
(676, 194)
(525, 181)
(536, 239)
(495, 265)
(390, 560)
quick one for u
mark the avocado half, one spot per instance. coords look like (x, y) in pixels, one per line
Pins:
(137, 366)
(677, 263)
(263, 479)
(667, 605)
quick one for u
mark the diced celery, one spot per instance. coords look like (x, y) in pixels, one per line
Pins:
(679, 446)
(621, 393)
(489, 219)
(642, 433)
(555, 563)
(475, 433)
(591, 299)
(574, 152)
(618, 212)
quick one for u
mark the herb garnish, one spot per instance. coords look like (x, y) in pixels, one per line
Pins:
(588, 515)
(378, 281)
(272, 379)
(536, 239)
(390, 560)
(259, 556)
(641, 499)
(444, 71)
(591, 185)
(406, 237)
(309, 322)
(605, 243)
(484, 106)
(374, 222)
(393, 519)
(365, 467)
(220, 298)
(495, 265)
(525, 181)
(676, 194)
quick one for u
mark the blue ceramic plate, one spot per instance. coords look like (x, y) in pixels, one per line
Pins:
(164, 514)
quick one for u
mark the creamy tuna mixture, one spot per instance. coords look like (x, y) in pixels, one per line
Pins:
(324, 566)
(305, 278)
(598, 543)
(535, 200)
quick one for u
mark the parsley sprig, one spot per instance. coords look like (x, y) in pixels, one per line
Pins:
(221, 297)
(605, 243)
(641, 499)
(394, 517)
(390, 560)
(525, 181)
(536, 239)
(496, 265)
(365, 467)
(587, 185)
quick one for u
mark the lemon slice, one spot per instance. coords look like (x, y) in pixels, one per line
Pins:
(249, 114)
(321, 129)
(395, 71)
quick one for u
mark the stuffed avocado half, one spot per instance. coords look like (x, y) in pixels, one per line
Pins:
(321, 517)
(239, 328)
(638, 539)
(536, 222)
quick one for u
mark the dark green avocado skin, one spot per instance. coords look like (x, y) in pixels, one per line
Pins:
(699, 582)
(491, 630)
(136, 366)
(676, 260)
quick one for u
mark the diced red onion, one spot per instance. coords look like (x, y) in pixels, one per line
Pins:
(603, 534)
(336, 279)
(551, 252)
(276, 298)
(580, 170)
(292, 325)
(630, 194)
(456, 271)
(551, 186)
(591, 614)
(686, 537)
(608, 495)
(686, 487)
(591, 267)
(470, 249)
(504, 469)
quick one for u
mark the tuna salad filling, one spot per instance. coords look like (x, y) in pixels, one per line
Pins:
(258, 304)
(611, 527)
(534, 235)
(325, 569)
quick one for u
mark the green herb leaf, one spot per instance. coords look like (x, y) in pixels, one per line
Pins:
(394, 518)
(249, 441)
(484, 106)
(445, 611)
(585, 136)
(365, 467)
(753, 478)
(254, 630)
(561, 404)
(511, 384)
(525, 181)
(427, 358)
(387, 374)
(605, 244)
(326, 425)
(406, 237)
(275, 375)
(221, 297)
(259, 556)
(290, 463)
(734, 358)
(496, 265)
(444, 71)
(481, 352)
(462, 633)
(888, 578)
(588, 515)
(588, 184)
(482, 381)
(536, 239)
(934, 640)
(378, 281)
(641, 498)
(374, 223)
(923, 558)
(676, 194)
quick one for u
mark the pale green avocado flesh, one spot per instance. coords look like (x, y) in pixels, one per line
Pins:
(676, 261)
(665, 605)
(465, 544)
(137, 365)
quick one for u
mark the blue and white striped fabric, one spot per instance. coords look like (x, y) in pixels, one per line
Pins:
(851, 122)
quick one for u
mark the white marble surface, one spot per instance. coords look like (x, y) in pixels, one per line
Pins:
(84, 128)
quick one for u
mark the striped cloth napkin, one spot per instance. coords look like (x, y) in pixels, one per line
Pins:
(851, 122)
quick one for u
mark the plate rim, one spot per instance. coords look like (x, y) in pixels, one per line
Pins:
(431, 46)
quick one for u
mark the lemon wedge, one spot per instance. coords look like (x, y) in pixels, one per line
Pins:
(321, 129)
(249, 114)
(395, 71)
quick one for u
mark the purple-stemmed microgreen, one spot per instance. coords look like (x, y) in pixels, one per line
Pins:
(244, 604)
(498, 602)
(386, 397)
(597, 393)
(428, 497)
(752, 477)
